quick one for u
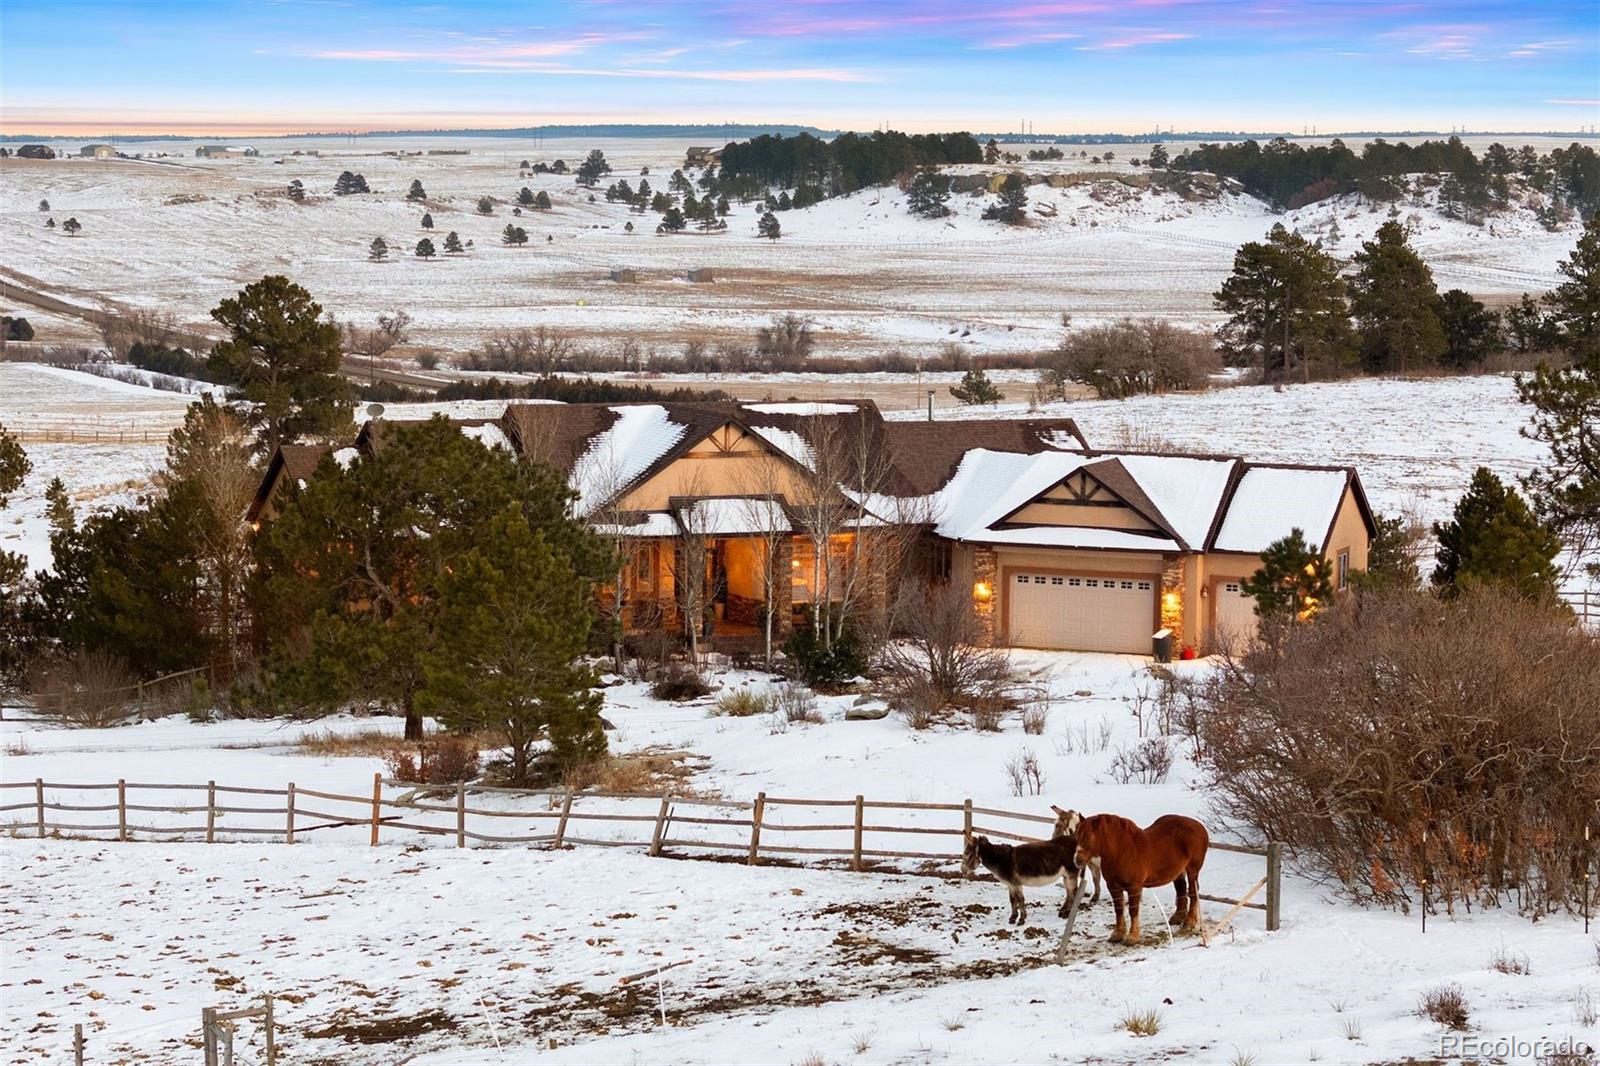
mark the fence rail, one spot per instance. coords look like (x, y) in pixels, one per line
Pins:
(1585, 603)
(686, 824)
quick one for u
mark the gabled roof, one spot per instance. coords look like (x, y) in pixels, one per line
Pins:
(928, 453)
(290, 463)
(1270, 500)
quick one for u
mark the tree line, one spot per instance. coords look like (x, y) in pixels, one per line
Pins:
(844, 164)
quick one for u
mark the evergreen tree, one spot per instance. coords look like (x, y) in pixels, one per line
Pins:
(1529, 327)
(1158, 156)
(525, 197)
(283, 359)
(1294, 581)
(513, 623)
(485, 205)
(354, 568)
(769, 227)
(49, 223)
(542, 201)
(1575, 303)
(679, 185)
(1394, 299)
(782, 205)
(416, 191)
(1286, 308)
(1471, 330)
(1391, 554)
(378, 249)
(71, 227)
(1012, 206)
(976, 388)
(593, 168)
(929, 194)
(452, 243)
(15, 637)
(425, 249)
(44, 205)
(642, 198)
(660, 203)
(1494, 537)
(349, 183)
(723, 207)
(673, 221)
(991, 152)
(427, 220)
(627, 227)
(297, 191)
(515, 236)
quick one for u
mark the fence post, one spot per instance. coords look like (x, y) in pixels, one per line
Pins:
(966, 833)
(211, 812)
(38, 802)
(561, 826)
(861, 809)
(122, 809)
(661, 826)
(377, 803)
(77, 1044)
(756, 814)
(461, 814)
(208, 1034)
(288, 829)
(272, 1044)
(1274, 883)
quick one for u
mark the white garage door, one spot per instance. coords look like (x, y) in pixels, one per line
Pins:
(1236, 618)
(1082, 613)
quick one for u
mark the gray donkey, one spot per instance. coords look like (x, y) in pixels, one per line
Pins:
(1025, 864)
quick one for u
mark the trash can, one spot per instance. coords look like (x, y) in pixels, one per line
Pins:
(1161, 645)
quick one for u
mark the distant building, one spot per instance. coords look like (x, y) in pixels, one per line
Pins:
(36, 151)
(701, 275)
(623, 275)
(224, 151)
(98, 151)
(702, 157)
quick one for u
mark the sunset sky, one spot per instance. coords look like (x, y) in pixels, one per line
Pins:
(77, 68)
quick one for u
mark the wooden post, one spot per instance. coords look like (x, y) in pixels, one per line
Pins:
(208, 1034)
(966, 834)
(461, 814)
(756, 814)
(661, 826)
(1274, 884)
(272, 1043)
(38, 802)
(377, 804)
(77, 1044)
(211, 812)
(861, 812)
(561, 825)
(122, 809)
(288, 829)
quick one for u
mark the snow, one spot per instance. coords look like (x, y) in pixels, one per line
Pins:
(1272, 502)
(489, 435)
(641, 435)
(345, 456)
(789, 443)
(801, 408)
(1076, 537)
(734, 516)
(1188, 491)
(655, 524)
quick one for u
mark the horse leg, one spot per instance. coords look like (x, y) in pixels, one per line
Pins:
(1181, 887)
(1019, 906)
(1121, 931)
(1094, 867)
(1134, 894)
(1191, 920)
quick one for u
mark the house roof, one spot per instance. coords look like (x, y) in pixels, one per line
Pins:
(928, 453)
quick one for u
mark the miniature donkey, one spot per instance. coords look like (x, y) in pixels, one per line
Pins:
(1025, 864)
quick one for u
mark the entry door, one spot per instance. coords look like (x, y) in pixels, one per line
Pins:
(1082, 612)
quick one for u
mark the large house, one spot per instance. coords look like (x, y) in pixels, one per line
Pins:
(226, 151)
(776, 505)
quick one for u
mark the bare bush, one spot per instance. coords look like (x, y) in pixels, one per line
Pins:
(1035, 716)
(392, 329)
(938, 658)
(1148, 763)
(1504, 960)
(121, 330)
(439, 761)
(1130, 357)
(785, 342)
(678, 681)
(1401, 736)
(534, 351)
(1445, 1005)
(89, 689)
(1024, 774)
(987, 714)
(797, 704)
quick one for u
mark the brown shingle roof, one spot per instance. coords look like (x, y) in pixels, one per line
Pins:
(927, 453)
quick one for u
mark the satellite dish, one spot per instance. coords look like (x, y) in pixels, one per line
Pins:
(374, 410)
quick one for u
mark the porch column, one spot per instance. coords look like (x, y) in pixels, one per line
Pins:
(875, 598)
(985, 590)
(782, 606)
(1172, 600)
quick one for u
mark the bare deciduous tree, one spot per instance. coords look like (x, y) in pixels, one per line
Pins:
(121, 330)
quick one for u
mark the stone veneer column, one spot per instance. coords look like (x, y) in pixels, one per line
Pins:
(1172, 602)
(985, 572)
(783, 591)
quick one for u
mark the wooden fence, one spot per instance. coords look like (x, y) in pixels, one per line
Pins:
(859, 832)
(1585, 603)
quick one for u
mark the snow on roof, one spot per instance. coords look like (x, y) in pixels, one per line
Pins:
(655, 524)
(641, 435)
(734, 516)
(344, 457)
(1188, 491)
(801, 408)
(1272, 501)
(489, 435)
(789, 443)
(987, 486)
(1077, 537)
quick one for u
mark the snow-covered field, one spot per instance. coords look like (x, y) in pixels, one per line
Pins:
(515, 954)
(182, 233)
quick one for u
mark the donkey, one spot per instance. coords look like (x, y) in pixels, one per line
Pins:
(1067, 826)
(1024, 864)
(1170, 849)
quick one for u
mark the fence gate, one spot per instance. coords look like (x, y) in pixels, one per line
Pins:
(218, 1026)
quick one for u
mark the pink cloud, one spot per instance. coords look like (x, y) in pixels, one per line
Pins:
(1134, 40)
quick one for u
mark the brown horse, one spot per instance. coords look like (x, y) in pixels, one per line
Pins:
(1170, 849)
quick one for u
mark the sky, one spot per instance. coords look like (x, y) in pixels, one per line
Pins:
(1064, 66)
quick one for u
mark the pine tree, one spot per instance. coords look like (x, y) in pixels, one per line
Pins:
(353, 568)
(673, 220)
(1012, 206)
(427, 220)
(1392, 554)
(71, 227)
(1494, 537)
(678, 184)
(15, 634)
(349, 183)
(991, 152)
(929, 194)
(1575, 303)
(1471, 330)
(452, 243)
(49, 223)
(723, 207)
(1529, 327)
(525, 197)
(641, 198)
(769, 227)
(297, 191)
(425, 249)
(1286, 307)
(542, 201)
(513, 624)
(416, 191)
(1294, 581)
(1393, 297)
(1158, 156)
(514, 236)
(783, 201)
(976, 388)
(485, 205)
(593, 168)
(283, 359)
(378, 250)
(44, 205)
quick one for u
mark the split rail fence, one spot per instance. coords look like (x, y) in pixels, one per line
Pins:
(859, 832)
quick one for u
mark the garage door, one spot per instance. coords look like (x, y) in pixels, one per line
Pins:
(1236, 617)
(1082, 613)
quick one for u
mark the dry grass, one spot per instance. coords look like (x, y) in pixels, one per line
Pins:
(652, 772)
(1145, 1022)
(1445, 1005)
(1034, 718)
(1504, 960)
(333, 744)
(742, 703)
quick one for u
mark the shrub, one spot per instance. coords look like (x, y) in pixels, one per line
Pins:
(797, 704)
(1473, 718)
(89, 689)
(987, 714)
(1149, 763)
(1034, 718)
(821, 664)
(1130, 357)
(1504, 960)
(678, 681)
(441, 761)
(1445, 1005)
(1024, 774)
(742, 703)
(938, 655)
(1141, 1022)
